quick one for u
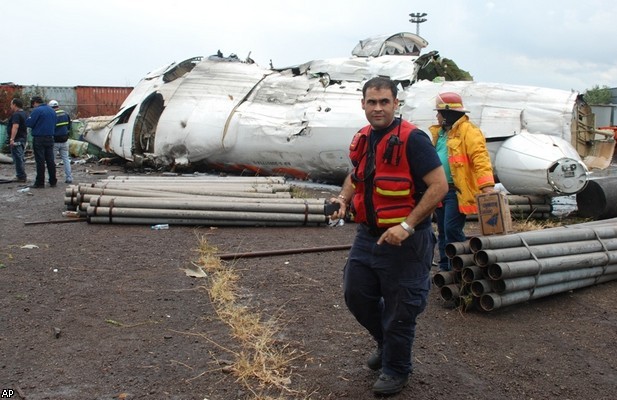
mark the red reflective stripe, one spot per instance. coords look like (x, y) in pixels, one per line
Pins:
(485, 179)
(460, 158)
(470, 209)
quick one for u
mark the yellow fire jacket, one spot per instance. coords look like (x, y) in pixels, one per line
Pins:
(470, 163)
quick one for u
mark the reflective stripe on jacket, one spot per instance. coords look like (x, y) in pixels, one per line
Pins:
(392, 195)
(470, 163)
(63, 122)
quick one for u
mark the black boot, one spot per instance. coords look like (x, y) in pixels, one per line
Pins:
(387, 384)
(374, 361)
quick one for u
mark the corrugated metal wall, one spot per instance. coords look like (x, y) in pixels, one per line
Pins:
(65, 96)
(78, 101)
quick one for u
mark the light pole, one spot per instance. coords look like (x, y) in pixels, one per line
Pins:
(417, 18)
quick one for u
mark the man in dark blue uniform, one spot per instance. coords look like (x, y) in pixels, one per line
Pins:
(396, 184)
(42, 120)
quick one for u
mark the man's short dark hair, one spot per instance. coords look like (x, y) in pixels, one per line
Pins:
(17, 102)
(37, 100)
(380, 82)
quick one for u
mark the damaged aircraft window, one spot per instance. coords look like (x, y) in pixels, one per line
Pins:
(126, 115)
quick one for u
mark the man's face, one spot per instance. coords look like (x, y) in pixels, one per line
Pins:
(440, 119)
(379, 106)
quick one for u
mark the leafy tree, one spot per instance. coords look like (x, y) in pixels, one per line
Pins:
(432, 65)
(598, 95)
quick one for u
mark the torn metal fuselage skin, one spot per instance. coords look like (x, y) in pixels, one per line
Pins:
(232, 115)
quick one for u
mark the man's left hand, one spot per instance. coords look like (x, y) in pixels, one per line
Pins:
(394, 236)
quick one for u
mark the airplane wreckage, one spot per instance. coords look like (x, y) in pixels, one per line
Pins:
(231, 115)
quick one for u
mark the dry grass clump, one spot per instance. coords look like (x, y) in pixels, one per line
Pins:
(524, 225)
(262, 363)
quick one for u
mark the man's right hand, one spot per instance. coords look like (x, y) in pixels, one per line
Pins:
(342, 210)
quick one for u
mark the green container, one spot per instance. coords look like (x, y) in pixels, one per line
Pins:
(4, 139)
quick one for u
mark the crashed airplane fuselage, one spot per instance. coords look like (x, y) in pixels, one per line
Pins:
(237, 116)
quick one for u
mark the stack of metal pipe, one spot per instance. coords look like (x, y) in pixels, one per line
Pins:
(194, 200)
(490, 272)
(525, 207)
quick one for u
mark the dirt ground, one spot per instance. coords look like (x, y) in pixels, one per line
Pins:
(93, 311)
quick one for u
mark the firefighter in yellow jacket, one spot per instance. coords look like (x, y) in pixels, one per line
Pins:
(461, 146)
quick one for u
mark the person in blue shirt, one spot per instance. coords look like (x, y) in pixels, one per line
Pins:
(42, 121)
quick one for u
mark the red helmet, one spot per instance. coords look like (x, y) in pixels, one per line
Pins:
(449, 101)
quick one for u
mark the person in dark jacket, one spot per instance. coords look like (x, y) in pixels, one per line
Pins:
(395, 185)
(42, 121)
(18, 136)
(61, 139)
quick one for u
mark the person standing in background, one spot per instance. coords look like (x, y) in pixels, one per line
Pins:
(461, 146)
(61, 139)
(18, 136)
(42, 121)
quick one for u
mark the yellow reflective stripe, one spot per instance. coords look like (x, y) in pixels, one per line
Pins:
(451, 105)
(397, 193)
(62, 123)
(392, 221)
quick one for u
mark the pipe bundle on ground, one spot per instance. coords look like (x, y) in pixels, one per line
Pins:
(194, 200)
(526, 207)
(490, 272)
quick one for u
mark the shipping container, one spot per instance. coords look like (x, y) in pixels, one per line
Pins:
(100, 100)
(78, 101)
(7, 93)
(64, 95)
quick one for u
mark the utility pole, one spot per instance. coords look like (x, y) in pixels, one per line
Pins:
(417, 18)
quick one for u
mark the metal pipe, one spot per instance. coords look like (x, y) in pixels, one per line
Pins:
(519, 215)
(216, 199)
(189, 221)
(527, 199)
(526, 208)
(220, 204)
(551, 235)
(480, 287)
(493, 301)
(197, 188)
(514, 269)
(599, 199)
(526, 282)
(208, 192)
(443, 278)
(472, 273)
(461, 261)
(450, 292)
(266, 253)
(456, 248)
(200, 178)
(594, 224)
(201, 214)
(487, 257)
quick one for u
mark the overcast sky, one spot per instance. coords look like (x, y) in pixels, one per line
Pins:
(561, 44)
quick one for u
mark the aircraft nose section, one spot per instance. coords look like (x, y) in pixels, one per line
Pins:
(539, 164)
(567, 176)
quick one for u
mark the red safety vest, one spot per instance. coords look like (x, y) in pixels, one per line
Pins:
(393, 187)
